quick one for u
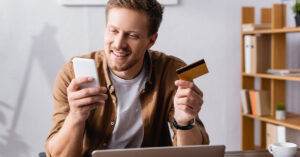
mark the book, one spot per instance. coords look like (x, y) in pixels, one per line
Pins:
(262, 102)
(284, 72)
(257, 53)
(271, 133)
(281, 133)
(245, 101)
(253, 55)
(259, 102)
(275, 133)
(252, 101)
(261, 61)
(253, 27)
(247, 54)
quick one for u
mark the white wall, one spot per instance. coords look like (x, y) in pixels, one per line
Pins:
(38, 37)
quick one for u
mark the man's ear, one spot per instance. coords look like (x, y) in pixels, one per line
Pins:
(152, 40)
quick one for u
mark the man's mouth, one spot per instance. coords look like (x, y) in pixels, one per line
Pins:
(120, 54)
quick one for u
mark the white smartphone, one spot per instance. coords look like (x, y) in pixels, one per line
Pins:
(86, 67)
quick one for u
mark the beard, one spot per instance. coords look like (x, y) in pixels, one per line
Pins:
(125, 65)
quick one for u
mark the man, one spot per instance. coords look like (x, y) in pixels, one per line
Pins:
(139, 95)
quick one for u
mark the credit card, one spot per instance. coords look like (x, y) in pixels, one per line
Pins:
(192, 71)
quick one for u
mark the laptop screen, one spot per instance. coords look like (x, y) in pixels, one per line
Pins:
(185, 151)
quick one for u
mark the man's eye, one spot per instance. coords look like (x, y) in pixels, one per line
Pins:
(113, 30)
(133, 36)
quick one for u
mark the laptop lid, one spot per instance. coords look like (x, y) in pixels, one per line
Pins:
(185, 151)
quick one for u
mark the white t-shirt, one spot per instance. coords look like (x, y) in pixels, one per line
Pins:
(128, 131)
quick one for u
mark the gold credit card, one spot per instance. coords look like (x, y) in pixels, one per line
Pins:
(194, 70)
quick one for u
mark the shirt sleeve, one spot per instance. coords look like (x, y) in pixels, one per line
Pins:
(61, 106)
(177, 64)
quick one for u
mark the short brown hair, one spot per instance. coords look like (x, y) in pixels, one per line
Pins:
(152, 8)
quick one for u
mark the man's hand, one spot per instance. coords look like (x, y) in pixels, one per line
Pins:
(82, 101)
(187, 102)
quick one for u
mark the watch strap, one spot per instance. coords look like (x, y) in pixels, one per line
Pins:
(187, 127)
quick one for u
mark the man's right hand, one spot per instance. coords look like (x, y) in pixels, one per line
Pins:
(82, 101)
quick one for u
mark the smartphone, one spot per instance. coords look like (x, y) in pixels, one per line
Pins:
(86, 67)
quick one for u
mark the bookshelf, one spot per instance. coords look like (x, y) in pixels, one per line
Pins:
(273, 31)
(274, 77)
(273, 83)
(292, 121)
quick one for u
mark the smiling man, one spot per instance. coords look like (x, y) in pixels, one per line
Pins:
(139, 95)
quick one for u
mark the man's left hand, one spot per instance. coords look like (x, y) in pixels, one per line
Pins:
(187, 102)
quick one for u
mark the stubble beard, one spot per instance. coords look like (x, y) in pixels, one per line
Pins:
(122, 67)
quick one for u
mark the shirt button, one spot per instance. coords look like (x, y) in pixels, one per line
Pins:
(112, 123)
(112, 87)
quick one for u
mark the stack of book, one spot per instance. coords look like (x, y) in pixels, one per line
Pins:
(253, 27)
(255, 102)
(284, 72)
(257, 54)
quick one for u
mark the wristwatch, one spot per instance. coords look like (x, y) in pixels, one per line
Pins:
(188, 127)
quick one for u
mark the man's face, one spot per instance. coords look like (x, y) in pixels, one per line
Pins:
(126, 39)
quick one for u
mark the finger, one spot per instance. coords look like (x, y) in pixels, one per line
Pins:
(77, 82)
(182, 84)
(87, 92)
(87, 108)
(191, 102)
(184, 102)
(100, 96)
(87, 101)
(197, 90)
(186, 109)
(93, 106)
(190, 94)
(187, 92)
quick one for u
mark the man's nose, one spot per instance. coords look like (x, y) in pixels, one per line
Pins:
(120, 42)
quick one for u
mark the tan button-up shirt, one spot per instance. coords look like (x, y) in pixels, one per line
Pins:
(156, 101)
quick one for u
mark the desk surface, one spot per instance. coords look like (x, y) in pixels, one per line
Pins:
(253, 153)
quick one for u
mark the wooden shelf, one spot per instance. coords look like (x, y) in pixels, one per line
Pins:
(275, 46)
(274, 77)
(273, 31)
(292, 121)
(259, 148)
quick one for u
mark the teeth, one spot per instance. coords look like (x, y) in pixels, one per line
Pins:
(120, 54)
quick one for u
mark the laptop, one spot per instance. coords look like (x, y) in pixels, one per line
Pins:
(184, 151)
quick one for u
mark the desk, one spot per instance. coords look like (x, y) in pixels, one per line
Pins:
(253, 153)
